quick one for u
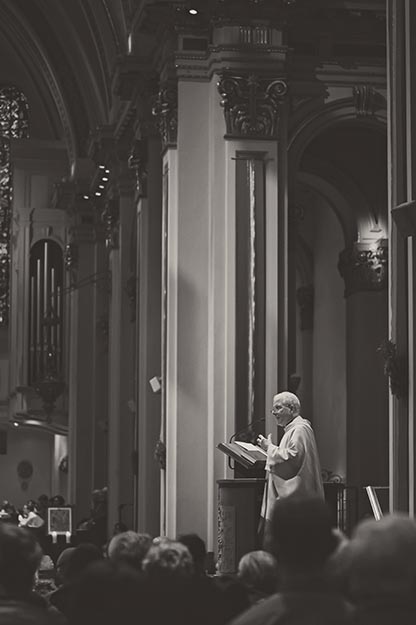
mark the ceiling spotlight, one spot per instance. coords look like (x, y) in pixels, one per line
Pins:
(101, 186)
(98, 194)
(16, 425)
(86, 197)
(107, 171)
(101, 166)
(193, 11)
(104, 179)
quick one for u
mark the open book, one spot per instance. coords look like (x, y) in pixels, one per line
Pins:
(246, 454)
(252, 448)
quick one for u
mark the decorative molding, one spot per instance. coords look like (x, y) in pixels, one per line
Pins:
(364, 100)
(138, 162)
(165, 110)
(251, 105)
(305, 296)
(364, 266)
(259, 35)
(111, 219)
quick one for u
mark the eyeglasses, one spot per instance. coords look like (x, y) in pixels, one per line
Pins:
(275, 410)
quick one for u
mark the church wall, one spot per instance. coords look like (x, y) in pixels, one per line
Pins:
(329, 345)
(34, 446)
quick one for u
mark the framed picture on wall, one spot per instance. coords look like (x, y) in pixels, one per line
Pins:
(60, 520)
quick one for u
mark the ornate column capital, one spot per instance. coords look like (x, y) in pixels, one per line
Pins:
(305, 296)
(364, 266)
(251, 105)
(165, 110)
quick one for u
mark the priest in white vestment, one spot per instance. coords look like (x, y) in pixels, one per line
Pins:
(293, 466)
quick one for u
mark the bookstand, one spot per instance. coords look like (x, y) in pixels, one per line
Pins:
(248, 458)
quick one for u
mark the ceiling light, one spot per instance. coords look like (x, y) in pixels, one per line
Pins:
(104, 179)
(86, 197)
(193, 11)
(101, 166)
(98, 194)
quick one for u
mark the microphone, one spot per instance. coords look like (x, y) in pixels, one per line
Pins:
(247, 428)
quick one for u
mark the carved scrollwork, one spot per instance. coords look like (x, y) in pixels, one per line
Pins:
(364, 267)
(165, 110)
(14, 113)
(251, 105)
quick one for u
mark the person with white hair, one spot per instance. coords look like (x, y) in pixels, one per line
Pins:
(292, 467)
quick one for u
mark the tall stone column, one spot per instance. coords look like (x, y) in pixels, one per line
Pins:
(364, 269)
(224, 203)
(87, 285)
(145, 160)
(401, 19)
(119, 218)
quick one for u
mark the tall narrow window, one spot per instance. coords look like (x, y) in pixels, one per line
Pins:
(14, 124)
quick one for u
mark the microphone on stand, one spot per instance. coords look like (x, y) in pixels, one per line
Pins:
(246, 428)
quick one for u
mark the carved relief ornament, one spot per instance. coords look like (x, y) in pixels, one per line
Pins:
(251, 105)
(364, 267)
(165, 110)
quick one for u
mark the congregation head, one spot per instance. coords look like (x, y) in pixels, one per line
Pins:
(301, 531)
(129, 547)
(166, 558)
(258, 571)
(20, 557)
(380, 559)
(197, 549)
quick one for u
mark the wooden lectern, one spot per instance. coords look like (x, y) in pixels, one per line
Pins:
(239, 505)
(247, 455)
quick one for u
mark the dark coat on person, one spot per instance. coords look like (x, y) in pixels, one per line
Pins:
(29, 610)
(298, 608)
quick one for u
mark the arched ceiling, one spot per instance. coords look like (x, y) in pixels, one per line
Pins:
(61, 54)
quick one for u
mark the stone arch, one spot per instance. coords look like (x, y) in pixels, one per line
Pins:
(310, 125)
